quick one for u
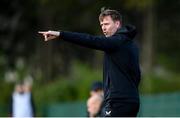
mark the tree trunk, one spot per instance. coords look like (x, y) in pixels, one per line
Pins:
(147, 43)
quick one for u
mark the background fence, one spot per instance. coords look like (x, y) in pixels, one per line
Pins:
(160, 105)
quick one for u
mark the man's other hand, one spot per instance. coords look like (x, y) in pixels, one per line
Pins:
(49, 35)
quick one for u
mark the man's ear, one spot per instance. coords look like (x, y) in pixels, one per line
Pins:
(118, 24)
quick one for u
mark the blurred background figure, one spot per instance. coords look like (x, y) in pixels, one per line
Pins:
(94, 103)
(22, 104)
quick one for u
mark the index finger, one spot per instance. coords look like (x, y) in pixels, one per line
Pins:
(42, 32)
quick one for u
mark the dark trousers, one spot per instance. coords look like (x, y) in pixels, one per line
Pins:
(117, 109)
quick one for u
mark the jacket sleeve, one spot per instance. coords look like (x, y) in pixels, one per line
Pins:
(94, 42)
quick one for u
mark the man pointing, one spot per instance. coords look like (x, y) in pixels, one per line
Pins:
(121, 73)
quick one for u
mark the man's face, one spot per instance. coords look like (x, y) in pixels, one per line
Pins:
(109, 27)
(94, 104)
(97, 92)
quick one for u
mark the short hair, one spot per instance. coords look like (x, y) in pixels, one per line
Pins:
(97, 85)
(114, 14)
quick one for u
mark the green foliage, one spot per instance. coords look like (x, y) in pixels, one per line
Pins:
(2, 65)
(138, 4)
(6, 91)
(74, 87)
(154, 84)
(165, 60)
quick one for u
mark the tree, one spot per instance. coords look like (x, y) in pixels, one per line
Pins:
(146, 8)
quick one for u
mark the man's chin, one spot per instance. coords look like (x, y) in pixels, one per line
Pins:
(107, 35)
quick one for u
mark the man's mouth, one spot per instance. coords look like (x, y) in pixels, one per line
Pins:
(105, 33)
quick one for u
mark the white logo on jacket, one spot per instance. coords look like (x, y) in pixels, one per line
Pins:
(108, 112)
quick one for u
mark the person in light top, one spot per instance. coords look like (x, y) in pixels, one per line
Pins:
(22, 104)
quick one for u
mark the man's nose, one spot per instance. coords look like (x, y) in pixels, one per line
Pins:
(103, 28)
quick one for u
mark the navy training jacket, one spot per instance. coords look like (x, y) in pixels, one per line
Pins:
(121, 72)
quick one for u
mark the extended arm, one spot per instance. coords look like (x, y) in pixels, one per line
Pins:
(86, 40)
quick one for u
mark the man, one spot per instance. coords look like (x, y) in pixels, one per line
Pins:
(121, 73)
(94, 102)
(22, 104)
(94, 105)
